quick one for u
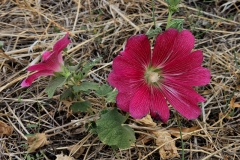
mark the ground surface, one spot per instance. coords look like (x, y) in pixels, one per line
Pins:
(99, 29)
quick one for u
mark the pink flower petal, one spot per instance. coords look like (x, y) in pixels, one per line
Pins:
(187, 70)
(38, 67)
(60, 59)
(159, 108)
(126, 89)
(52, 60)
(196, 77)
(163, 46)
(61, 44)
(171, 45)
(183, 45)
(140, 103)
(123, 100)
(183, 64)
(184, 91)
(124, 84)
(58, 48)
(123, 74)
(46, 65)
(113, 79)
(121, 62)
(137, 51)
(28, 81)
(183, 98)
(46, 55)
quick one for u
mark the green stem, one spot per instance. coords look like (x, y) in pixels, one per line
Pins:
(153, 14)
(169, 19)
(72, 80)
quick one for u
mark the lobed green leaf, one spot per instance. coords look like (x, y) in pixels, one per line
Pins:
(177, 24)
(111, 96)
(103, 90)
(80, 106)
(85, 86)
(67, 93)
(112, 132)
(54, 84)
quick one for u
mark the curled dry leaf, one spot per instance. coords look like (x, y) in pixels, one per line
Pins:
(185, 136)
(5, 129)
(76, 150)
(168, 150)
(36, 141)
(63, 157)
(147, 121)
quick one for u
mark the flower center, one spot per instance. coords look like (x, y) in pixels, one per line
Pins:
(152, 75)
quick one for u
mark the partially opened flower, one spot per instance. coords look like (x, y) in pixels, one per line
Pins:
(51, 62)
(147, 82)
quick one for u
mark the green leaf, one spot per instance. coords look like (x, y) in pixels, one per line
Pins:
(154, 32)
(104, 111)
(80, 106)
(91, 127)
(54, 84)
(172, 5)
(67, 93)
(73, 68)
(29, 157)
(84, 86)
(65, 71)
(79, 76)
(112, 132)
(111, 96)
(103, 90)
(172, 2)
(177, 24)
(88, 66)
(37, 155)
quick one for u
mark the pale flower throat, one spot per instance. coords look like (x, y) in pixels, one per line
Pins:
(152, 75)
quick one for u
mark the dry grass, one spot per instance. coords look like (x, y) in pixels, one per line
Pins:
(99, 29)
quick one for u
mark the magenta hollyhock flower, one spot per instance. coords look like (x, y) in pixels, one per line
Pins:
(147, 82)
(51, 62)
